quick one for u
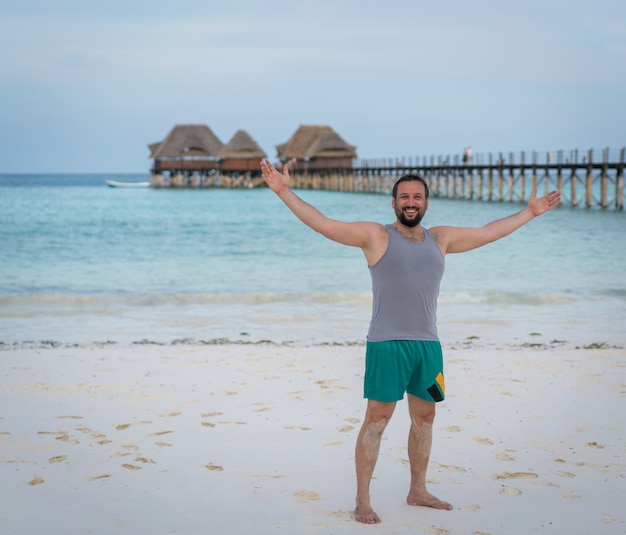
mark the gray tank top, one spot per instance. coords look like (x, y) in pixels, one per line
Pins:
(405, 284)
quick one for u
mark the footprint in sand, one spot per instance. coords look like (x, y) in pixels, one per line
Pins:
(436, 530)
(36, 481)
(121, 427)
(64, 436)
(610, 520)
(483, 440)
(452, 468)
(452, 429)
(515, 475)
(96, 478)
(57, 459)
(510, 491)
(504, 457)
(346, 429)
(306, 496)
(209, 414)
(145, 460)
(564, 474)
(131, 467)
(213, 467)
(232, 423)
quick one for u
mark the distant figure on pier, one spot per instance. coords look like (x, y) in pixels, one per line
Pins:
(467, 156)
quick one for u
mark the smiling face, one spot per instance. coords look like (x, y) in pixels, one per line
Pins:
(410, 203)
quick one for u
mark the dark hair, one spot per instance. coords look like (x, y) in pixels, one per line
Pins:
(409, 178)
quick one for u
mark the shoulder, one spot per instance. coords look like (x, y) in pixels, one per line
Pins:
(377, 243)
(379, 234)
(442, 236)
(439, 233)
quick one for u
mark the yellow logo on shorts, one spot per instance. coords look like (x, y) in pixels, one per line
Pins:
(441, 383)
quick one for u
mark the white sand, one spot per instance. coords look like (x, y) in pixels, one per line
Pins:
(259, 439)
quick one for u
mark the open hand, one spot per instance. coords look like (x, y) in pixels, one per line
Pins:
(276, 181)
(541, 205)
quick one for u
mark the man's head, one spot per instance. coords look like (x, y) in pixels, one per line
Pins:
(409, 178)
(410, 199)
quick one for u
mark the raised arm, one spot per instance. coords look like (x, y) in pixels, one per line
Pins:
(361, 234)
(460, 239)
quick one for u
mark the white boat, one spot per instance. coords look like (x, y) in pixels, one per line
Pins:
(116, 184)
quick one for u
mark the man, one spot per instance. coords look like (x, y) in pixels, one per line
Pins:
(403, 353)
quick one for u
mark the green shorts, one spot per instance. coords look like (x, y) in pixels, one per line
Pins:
(397, 366)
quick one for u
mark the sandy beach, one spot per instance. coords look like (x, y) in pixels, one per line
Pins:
(259, 438)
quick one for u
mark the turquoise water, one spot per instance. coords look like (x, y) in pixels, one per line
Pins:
(81, 263)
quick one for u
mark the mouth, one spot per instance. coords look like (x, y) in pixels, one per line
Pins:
(410, 212)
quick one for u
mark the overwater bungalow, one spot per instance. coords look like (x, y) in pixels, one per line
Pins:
(241, 153)
(187, 147)
(317, 147)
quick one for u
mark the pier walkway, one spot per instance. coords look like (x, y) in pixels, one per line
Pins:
(582, 180)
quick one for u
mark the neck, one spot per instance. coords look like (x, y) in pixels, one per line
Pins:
(415, 233)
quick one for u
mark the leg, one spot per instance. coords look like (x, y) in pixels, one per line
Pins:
(377, 416)
(422, 414)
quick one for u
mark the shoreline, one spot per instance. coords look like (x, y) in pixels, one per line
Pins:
(259, 438)
(470, 343)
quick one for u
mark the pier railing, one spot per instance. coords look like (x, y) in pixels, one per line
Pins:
(582, 179)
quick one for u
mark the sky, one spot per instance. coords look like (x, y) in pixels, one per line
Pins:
(86, 86)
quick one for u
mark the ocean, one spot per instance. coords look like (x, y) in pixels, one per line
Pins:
(83, 263)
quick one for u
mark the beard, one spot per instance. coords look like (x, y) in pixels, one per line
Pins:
(413, 222)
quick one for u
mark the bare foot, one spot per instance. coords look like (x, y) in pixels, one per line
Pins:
(366, 515)
(426, 499)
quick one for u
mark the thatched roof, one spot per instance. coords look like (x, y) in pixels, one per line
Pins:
(311, 141)
(187, 140)
(242, 146)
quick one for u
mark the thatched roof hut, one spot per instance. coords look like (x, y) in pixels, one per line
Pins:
(317, 147)
(241, 153)
(187, 147)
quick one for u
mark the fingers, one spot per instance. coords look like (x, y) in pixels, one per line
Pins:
(266, 165)
(554, 198)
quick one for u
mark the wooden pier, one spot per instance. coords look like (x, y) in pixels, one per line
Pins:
(584, 181)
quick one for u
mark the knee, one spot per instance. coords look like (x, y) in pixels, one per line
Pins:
(378, 419)
(425, 416)
(379, 413)
(420, 424)
(422, 412)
